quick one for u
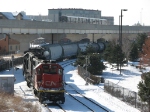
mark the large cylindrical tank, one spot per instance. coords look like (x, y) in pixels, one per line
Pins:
(69, 50)
(95, 46)
(55, 51)
(101, 46)
(82, 46)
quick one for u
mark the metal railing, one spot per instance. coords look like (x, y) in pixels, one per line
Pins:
(88, 77)
(7, 64)
(126, 95)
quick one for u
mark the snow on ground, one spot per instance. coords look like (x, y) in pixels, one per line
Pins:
(129, 79)
(97, 94)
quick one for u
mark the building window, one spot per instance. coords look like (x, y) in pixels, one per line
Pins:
(10, 47)
(1, 17)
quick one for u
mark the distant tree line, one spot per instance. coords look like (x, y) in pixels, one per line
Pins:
(129, 51)
(113, 53)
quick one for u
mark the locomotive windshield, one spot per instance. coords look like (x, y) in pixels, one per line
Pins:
(50, 69)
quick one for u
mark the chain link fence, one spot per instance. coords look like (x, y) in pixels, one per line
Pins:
(7, 64)
(88, 77)
(126, 95)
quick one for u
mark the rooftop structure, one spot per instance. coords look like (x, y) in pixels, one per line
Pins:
(55, 14)
(14, 15)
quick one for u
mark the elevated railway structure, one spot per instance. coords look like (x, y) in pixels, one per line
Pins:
(25, 31)
(39, 27)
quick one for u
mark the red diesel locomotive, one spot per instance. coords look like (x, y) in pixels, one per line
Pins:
(44, 76)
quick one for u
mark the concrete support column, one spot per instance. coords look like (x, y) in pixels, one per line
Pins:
(93, 37)
(52, 38)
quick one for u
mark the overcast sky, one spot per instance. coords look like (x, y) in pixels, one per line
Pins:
(138, 10)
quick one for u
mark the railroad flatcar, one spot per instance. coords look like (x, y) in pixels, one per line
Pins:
(44, 76)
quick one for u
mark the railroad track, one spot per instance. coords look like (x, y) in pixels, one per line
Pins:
(60, 107)
(79, 96)
(88, 102)
(80, 101)
(54, 107)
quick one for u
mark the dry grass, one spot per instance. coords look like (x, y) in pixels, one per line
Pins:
(9, 103)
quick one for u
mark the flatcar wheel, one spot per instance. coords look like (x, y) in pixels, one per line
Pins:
(28, 84)
(23, 73)
(40, 99)
(35, 92)
(25, 78)
(61, 102)
(54, 102)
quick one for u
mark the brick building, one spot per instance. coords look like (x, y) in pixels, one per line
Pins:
(8, 45)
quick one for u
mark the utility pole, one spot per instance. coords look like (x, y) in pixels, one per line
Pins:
(141, 16)
(12, 64)
(121, 35)
(86, 73)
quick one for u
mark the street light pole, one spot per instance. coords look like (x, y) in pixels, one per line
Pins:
(13, 64)
(87, 76)
(119, 29)
(118, 44)
(121, 35)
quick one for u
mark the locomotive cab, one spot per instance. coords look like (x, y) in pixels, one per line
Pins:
(48, 82)
(45, 76)
(49, 76)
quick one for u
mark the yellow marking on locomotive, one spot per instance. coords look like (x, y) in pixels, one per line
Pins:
(53, 91)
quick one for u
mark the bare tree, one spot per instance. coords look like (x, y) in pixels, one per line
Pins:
(114, 41)
(145, 54)
(127, 46)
